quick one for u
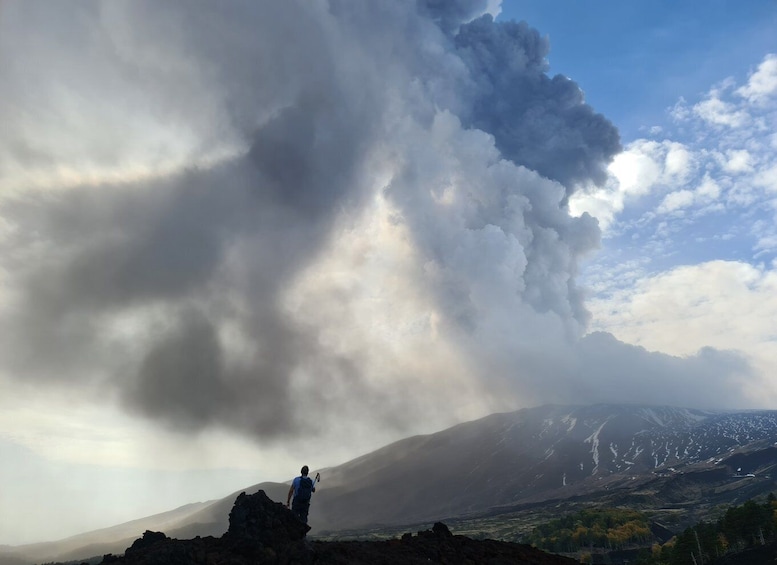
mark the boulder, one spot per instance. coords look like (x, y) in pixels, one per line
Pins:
(256, 518)
(149, 538)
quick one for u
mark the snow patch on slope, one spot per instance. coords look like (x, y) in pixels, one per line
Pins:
(593, 439)
(570, 420)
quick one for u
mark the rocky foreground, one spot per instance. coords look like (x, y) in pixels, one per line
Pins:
(265, 532)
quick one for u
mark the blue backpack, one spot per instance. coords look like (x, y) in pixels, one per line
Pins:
(304, 490)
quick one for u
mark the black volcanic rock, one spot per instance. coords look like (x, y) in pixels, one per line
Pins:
(433, 546)
(258, 519)
(265, 532)
(149, 539)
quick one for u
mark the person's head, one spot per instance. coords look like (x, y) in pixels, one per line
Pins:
(304, 471)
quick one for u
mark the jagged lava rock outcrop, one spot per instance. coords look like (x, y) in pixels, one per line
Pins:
(438, 545)
(265, 532)
(257, 519)
(260, 531)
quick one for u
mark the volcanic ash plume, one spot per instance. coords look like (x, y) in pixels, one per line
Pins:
(255, 215)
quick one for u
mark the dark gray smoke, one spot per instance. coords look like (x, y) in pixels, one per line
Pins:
(449, 15)
(366, 220)
(540, 122)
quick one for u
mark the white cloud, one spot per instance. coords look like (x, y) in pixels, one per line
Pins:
(644, 167)
(767, 243)
(602, 203)
(717, 112)
(637, 168)
(679, 162)
(723, 304)
(762, 84)
(737, 161)
(708, 189)
(494, 7)
(680, 111)
(767, 178)
(671, 162)
(675, 201)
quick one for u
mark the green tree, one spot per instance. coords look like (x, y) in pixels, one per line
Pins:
(601, 528)
(745, 525)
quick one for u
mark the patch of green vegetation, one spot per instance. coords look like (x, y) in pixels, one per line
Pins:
(601, 528)
(739, 528)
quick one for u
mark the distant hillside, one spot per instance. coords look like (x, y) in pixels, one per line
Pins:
(651, 457)
(528, 456)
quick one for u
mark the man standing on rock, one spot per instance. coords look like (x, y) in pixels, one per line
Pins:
(302, 488)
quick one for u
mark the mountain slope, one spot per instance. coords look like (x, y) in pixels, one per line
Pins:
(615, 454)
(526, 455)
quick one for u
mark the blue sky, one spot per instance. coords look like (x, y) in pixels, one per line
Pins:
(440, 285)
(635, 59)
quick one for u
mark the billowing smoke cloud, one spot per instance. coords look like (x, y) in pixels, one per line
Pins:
(537, 121)
(258, 215)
